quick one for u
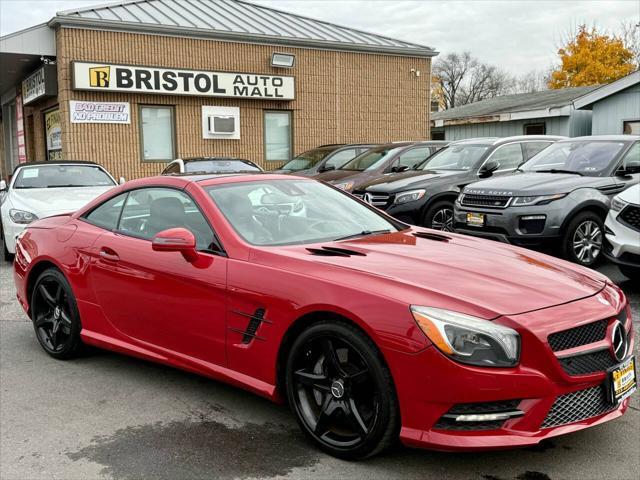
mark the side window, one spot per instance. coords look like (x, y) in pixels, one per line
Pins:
(107, 214)
(508, 156)
(413, 156)
(171, 168)
(149, 211)
(533, 148)
(342, 157)
(632, 158)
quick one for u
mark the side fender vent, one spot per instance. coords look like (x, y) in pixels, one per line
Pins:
(252, 327)
(432, 236)
(335, 252)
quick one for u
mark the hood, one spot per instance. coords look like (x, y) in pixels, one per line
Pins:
(531, 184)
(400, 182)
(465, 274)
(334, 176)
(45, 202)
(631, 195)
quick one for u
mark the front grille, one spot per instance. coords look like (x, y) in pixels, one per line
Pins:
(576, 406)
(451, 424)
(578, 336)
(630, 216)
(376, 199)
(586, 363)
(490, 201)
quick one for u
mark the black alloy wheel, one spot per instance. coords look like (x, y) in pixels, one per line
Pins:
(55, 315)
(341, 391)
(440, 217)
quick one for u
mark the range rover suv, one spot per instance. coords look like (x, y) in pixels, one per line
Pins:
(559, 197)
(425, 194)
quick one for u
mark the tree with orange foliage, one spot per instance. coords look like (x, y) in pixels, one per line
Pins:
(591, 58)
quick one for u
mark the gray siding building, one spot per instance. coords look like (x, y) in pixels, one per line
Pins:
(615, 107)
(550, 112)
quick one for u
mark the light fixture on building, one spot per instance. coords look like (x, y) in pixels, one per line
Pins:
(283, 60)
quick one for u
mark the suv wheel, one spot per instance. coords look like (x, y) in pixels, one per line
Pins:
(439, 216)
(582, 241)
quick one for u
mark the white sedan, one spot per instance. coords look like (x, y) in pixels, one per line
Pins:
(42, 189)
(622, 232)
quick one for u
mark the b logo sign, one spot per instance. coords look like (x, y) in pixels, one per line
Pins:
(99, 77)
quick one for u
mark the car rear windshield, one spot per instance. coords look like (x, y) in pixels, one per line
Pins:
(308, 159)
(455, 157)
(371, 159)
(59, 176)
(219, 166)
(593, 159)
(289, 212)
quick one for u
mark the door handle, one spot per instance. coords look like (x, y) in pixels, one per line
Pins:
(109, 255)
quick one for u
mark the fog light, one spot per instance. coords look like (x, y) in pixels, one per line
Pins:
(534, 217)
(488, 417)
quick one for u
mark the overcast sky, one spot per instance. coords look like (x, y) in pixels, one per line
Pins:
(517, 35)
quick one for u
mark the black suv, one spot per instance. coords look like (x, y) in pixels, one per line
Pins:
(322, 159)
(425, 194)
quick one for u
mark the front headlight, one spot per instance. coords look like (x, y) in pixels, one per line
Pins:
(617, 204)
(468, 339)
(536, 200)
(22, 216)
(409, 196)
(344, 186)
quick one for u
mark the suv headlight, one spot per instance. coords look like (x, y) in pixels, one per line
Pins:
(22, 216)
(409, 196)
(344, 186)
(536, 200)
(468, 339)
(617, 204)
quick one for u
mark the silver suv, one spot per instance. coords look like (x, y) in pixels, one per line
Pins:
(561, 196)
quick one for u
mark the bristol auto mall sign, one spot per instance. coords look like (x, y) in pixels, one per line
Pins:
(169, 81)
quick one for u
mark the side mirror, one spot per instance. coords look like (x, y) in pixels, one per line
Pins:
(121, 180)
(327, 168)
(488, 168)
(628, 169)
(399, 168)
(176, 240)
(3, 186)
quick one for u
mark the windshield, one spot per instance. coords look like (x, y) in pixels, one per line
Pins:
(454, 157)
(287, 212)
(56, 176)
(219, 166)
(308, 159)
(372, 159)
(587, 158)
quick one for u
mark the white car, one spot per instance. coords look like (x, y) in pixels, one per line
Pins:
(622, 232)
(42, 189)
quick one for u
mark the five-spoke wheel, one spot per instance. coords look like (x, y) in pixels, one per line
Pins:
(341, 391)
(54, 314)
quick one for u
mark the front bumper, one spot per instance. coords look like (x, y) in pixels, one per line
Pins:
(552, 401)
(526, 226)
(622, 244)
(11, 231)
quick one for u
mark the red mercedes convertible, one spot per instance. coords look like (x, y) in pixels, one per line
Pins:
(370, 329)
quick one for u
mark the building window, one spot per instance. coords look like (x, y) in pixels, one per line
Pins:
(277, 135)
(631, 127)
(157, 133)
(535, 129)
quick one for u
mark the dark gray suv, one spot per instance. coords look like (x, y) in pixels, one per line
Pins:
(561, 196)
(425, 194)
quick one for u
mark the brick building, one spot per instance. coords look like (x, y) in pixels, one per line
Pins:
(135, 84)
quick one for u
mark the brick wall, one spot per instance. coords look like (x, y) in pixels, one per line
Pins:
(340, 97)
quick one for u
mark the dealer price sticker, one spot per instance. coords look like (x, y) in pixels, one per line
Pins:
(623, 380)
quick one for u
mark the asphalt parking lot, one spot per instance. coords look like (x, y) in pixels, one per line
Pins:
(108, 416)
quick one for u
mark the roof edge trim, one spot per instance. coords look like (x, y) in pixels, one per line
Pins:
(61, 21)
(607, 90)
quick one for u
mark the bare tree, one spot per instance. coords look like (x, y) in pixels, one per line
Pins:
(464, 79)
(530, 82)
(630, 35)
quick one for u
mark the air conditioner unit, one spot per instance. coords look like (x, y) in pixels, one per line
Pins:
(223, 124)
